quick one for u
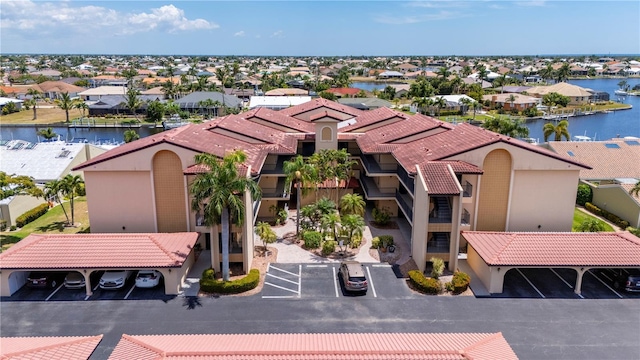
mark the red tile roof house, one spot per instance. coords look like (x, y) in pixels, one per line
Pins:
(409, 164)
(400, 346)
(49, 348)
(340, 92)
(492, 254)
(171, 254)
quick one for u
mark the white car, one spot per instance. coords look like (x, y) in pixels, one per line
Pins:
(148, 278)
(114, 279)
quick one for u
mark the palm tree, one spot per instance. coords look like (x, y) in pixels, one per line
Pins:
(52, 190)
(547, 72)
(635, 190)
(70, 185)
(82, 106)
(266, 233)
(353, 224)
(131, 135)
(563, 73)
(352, 204)
(331, 222)
(440, 102)
(219, 194)
(65, 103)
(35, 95)
(512, 100)
(47, 133)
(559, 131)
(132, 102)
(300, 172)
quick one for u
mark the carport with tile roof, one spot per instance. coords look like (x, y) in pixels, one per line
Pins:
(492, 254)
(169, 253)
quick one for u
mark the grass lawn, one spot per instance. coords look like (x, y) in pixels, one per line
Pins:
(579, 217)
(52, 222)
(54, 115)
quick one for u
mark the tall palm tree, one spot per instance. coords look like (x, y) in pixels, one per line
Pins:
(352, 204)
(82, 106)
(65, 103)
(353, 224)
(70, 185)
(52, 190)
(132, 102)
(47, 133)
(563, 73)
(635, 190)
(512, 100)
(35, 95)
(331, 222)
(219, 194)
(440, 103)
(559, 131)
(301, 173)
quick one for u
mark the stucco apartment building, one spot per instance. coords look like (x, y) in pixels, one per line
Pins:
(442, 178)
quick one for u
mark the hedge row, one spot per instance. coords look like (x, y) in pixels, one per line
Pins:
(423, 284)
(209, 284)
(607, 215)
(32, 214)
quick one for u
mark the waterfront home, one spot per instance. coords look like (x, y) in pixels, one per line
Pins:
(518, 102)
(615, 170)
(55, 89)
(434, 178)
(365, 103)
(277, 102)
(577, 95)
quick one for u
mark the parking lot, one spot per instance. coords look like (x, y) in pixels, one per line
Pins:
(315, 281)
(558, 283)
(61, 293)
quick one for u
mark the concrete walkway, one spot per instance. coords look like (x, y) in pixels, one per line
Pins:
(191, 285)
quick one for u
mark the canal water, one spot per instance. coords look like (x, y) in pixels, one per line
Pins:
(601, 126)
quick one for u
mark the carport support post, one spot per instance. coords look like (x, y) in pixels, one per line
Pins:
(87, 282)
(579, 273)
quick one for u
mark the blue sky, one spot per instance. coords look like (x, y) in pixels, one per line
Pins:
(304, 28)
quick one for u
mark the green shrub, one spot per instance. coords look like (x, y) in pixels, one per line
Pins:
(13, 228)
(634, 231)
(460, 282)
(32, 214)
(328, 247)
(437, 267)
(386, 240)
(375, 243)
(585, 194)
(312, 239)
(448, 286)
(209, 284)
(607, 215)
(381, 216)
(3, 225)
(426, 285)
(356, 241)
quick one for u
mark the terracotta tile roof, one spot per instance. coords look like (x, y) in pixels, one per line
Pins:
(278, 118)
(401, 346)
(196, 169)
(60, 87)
(607, 160)
(374, 116)
(440, 180)
(344, 91)
(318, 103)
(139, 250)
(556, 248)
(49, 348)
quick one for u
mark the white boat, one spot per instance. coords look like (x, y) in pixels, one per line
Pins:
(620, 92)
(581, 138)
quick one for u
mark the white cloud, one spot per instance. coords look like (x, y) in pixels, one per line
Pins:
(239, 33)
(531, 3)
(277, 34)
(436, 4)
(417, 18)
(41, 18)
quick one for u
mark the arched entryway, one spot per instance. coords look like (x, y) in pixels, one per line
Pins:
(494, 191)
(169, 190)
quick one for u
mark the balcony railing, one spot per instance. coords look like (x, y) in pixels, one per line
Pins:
(279, 192)
(467, 189)
(372, 190)
(466, 217)
(276, 169)
(406, 179)
(406, 203)
(373, 167)
(438, 243)
(441, 211)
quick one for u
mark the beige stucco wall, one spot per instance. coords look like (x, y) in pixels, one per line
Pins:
(493, 197)
(492, 277)
(118, 199)
(324, 142)
(170, 190)
(18, 206)
(390, 205)
(617, 200)
(545, 198)
(420, 223)
(387, 184)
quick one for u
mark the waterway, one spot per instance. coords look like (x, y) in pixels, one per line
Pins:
(602, 126)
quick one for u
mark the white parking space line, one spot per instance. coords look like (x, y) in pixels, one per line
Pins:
(278, 297)
(281, 287)
(560, 277)
(381, 265)
(130, 291)
(87, 297)
(335, 281)
(605, 284)
(283, 279)
(268, 266)
(299, 280)
(285, 271)
(96, 287)
(373, 288)
(316, 266)
(530, 283)
(54, 292)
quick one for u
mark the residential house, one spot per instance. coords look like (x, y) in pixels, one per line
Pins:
(193, 102)
(518, 102)
(277, 102)
(116, 104)
(95, 94)
(434, 178)
(344, 92)
(287, 92)
(577, 95)
(391, 75)
(55, 89)
(365, 103)
(614, 172)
